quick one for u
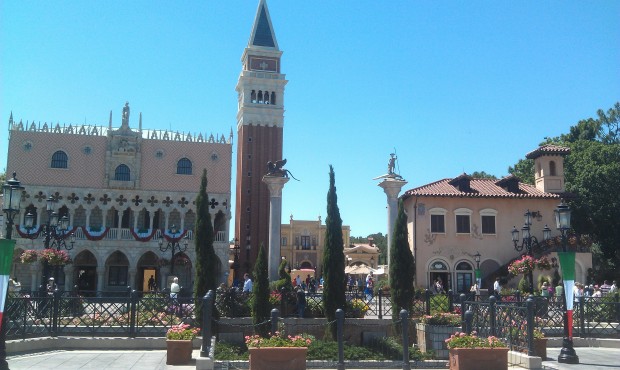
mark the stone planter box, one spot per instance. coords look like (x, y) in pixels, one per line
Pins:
(433, 338)
(278, 358)
(479, 358)
(178, 352)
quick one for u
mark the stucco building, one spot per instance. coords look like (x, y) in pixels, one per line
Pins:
(121, 189)
(450, 220)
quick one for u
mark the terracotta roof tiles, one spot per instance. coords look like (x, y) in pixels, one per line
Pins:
(548, 149)
(480, 188)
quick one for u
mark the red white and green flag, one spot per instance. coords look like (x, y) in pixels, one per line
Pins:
(567, 263)
(6, 260)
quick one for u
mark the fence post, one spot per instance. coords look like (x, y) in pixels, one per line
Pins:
(207, 311)
(450, 301)
(518, 295)
(404, 318)
(380, 305)
(283, 301)
(580, 312)
(492, 313)
(529, 304)
(55, 312)
(275, 315)
(128, 290)
(427, 301)
(462, 310)
(469, 316)
(340, 337)
(133, 313)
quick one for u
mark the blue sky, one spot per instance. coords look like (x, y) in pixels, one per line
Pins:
(453, 87)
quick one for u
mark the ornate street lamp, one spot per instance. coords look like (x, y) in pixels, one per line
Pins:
(55, 233)
(173, 245)
(529, 240)
(567, 264)
(11, 200)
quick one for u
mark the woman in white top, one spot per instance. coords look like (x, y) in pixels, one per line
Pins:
(175, 288)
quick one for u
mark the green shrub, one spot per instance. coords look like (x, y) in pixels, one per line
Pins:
(230, 352)
(524, 285)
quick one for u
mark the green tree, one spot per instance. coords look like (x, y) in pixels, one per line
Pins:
(483, 175)
(206, 259)
(333, 258)
(524, 170)
(261, 309)
(402, 266)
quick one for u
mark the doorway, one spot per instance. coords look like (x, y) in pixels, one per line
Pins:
(147, 284)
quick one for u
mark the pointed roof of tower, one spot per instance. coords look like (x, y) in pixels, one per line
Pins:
(262, 30)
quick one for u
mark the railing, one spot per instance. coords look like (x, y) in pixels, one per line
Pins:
(128, 313)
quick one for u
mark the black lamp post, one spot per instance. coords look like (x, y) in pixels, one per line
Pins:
(248, 248)
(478, 273)
(529, 240)
(55, 233)
(567, 264)
(173, 245)
(235, 264)
(10, 206)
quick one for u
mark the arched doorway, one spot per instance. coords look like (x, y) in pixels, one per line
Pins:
(85, 272)
(147, 269)
(183, 270)
(438, 269)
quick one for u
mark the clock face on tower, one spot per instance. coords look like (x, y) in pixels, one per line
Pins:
(263, 64)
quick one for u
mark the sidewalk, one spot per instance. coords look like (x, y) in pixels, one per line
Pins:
(590, 358)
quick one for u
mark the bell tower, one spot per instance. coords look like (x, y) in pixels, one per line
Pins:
(260, 123)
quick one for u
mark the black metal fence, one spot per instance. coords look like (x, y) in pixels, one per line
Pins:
(128, 314)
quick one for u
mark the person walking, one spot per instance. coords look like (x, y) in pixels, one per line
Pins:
(497, 289)
(247, 284)
(175, 288)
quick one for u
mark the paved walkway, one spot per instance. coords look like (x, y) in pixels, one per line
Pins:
(590, 359)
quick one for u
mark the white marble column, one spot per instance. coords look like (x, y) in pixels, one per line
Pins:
(34, 277)
(100, 277)
(391, 186)
(132, 278)
(275, 185)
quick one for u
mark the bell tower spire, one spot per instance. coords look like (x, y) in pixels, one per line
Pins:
(260, 124)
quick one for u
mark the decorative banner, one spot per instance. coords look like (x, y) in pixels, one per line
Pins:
(6, 260)
(567, 264)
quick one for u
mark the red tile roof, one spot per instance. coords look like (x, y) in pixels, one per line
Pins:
(480, 188)
(547, 149)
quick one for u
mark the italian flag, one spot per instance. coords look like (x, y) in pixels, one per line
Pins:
(6, 260)
(567, 263)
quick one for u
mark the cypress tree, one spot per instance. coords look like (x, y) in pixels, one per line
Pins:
(261, 309)
(333, 258)
(206, 259)
(402, 265)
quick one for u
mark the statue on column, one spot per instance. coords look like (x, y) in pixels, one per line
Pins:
(125, 121)
(276, 169)
(392, 164)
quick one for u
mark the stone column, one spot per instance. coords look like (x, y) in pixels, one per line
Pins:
(391, 186)
(34, 277)
(100, 278)
(132, 278)
(275, 185)
(69, 269)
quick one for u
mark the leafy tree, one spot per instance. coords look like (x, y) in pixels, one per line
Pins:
(285, 279)
(261, 309)
(483, 175)
(402, 266)
(593, 173)
(333, 258)
(2, 181)
(206, 259)
(524, 170)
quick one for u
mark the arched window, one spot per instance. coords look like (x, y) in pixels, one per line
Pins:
(59, 159)
(273, 97)
(253, 96)
(122, 173)
(266, 97)
(260, 97)
(552, 169)
(184, 166)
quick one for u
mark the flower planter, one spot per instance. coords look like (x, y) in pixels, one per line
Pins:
(278, 358)
(540, 348)
(433, 337)
(179, 352)
(479, 358)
